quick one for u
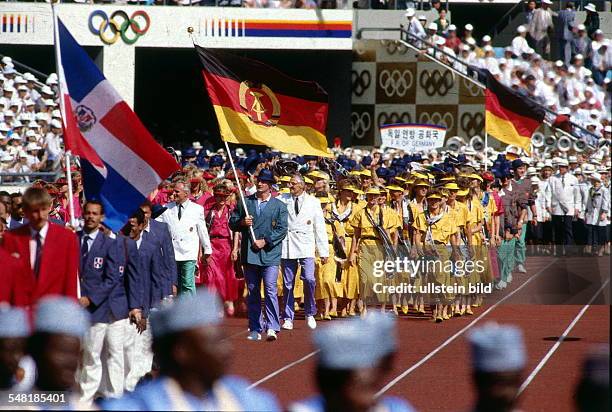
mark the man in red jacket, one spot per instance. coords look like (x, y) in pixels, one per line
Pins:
(48, 253)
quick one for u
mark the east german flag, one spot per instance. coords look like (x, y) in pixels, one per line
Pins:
(510, 117)
(256, 104)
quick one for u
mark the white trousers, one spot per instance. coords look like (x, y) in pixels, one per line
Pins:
(109, 336)
(138, 355)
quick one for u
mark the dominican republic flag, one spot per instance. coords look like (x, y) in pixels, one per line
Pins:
(121, 162)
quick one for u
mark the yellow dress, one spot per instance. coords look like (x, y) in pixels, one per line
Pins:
(371, 249)
(325, 274)
(481, 253)
(350, 274)
(438, 254)
(460, 216)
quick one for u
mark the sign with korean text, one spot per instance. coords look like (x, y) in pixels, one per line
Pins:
(412, 137)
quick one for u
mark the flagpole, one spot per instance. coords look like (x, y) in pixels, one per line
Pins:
(486, 150)
(70, 192)
(244, 205)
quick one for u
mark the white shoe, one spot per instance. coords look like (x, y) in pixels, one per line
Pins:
(311, 322)
(287, 324)
(521, 269)
(254, 336)
(271, 335)
(509, 278)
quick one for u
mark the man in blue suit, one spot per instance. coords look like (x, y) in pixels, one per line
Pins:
(16, 218)
(154, 284)
(161, 233)
(99, 275)
(266, 218)
(565, 35)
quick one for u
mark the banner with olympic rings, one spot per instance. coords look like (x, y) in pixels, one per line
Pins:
(412, 137)
(119, 25)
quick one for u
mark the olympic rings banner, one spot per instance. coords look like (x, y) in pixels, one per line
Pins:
(119, 25)
(412, 137)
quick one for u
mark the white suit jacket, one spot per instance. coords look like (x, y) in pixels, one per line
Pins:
(306, 231)
(544, 200)
(565, 193)
(187, 233)
(598, 202)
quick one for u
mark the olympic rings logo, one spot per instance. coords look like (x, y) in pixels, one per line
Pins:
(360, 124)
(393, 117)
(118, 25)
(472, 123)
(394, 46)
(472, 88)
(436, 83)
(360, 82)
(395, 82)
(437, 118)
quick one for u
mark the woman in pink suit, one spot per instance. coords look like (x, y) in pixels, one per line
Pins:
(218, 271)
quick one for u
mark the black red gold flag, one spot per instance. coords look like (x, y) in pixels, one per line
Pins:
(257, 104)
(510, 117)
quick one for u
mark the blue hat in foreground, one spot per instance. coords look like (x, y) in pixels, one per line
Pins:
(13, 323)
(362, 342)
(266, 175)
(497, 348)
(61, 315)
(187, 312)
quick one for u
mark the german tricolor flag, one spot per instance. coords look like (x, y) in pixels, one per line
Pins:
(257, 104)
(510, 117)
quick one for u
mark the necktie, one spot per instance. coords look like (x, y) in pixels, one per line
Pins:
(180, 211)
(296, 206)
(563, 181)
(38, 257)
(85, 246)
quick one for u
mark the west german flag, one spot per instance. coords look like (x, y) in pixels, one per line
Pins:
(257, 104)
(510, 117)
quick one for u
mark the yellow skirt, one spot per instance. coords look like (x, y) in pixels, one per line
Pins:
(350, 275)
(325, 277)
(370, 251)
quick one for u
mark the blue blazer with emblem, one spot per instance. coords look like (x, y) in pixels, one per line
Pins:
(150, 267)
(160, 231)
(128, 294)
(99, 274)
(271, 225)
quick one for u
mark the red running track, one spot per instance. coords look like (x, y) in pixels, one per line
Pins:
(432, 368)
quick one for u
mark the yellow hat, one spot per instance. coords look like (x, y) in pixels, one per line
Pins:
(463, 192)
(373, 191)
(410, 181)
(317, 174)
(395, 188)
(324, 199)
(400, 179)
(355, 173)
(452, 186)
(418, 175)
(444, 192)
(284, 190)
(308, 180)
(430, 176)
(448, 179)
(285, 179)
(475, 176)
(434, 196)
(366, 172)
(358, 191)
(421, 182)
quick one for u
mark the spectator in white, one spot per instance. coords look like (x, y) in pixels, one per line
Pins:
(581, 71)
(414, 27)
(581, 44)
(9, 75)
(519, 43)
(573, 86)
(509, 56)
(45, 94)
(431, 35)
(505, 72)
(597, 215)
(448, 55)
(53, 141)
(601, 60)
(535, 67)
(31, 83)
(489, 60)
(467, 32)
(540, 28)
(565, 31)
(464, 55)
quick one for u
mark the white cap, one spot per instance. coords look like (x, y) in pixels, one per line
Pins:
(535, 180)
(572, 159)
(422, 17)
(591, 7)
(452, 27)
(596, 176)
(410, 12)
(571, 70)
(608, 129)
(521, 29)
(56, 124)
(488, 48)
(471, 41)
(564, 110)
(29, 77)
(579, 57)
(465, 47)
(562, 162)
(581, 27)
(440, 41)
(432, 26)
(46, 90)
(32, 146)
(547, 2)
(49, 102)
(56, 114)
(6, 60)
(469, 27)
(486, 38)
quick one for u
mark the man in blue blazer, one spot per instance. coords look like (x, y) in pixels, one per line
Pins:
(266, 218)
(154, 284)
(99, 275)
(161, 232)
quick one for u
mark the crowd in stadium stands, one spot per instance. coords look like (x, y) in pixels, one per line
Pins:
(30, 124)
(577, 85)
